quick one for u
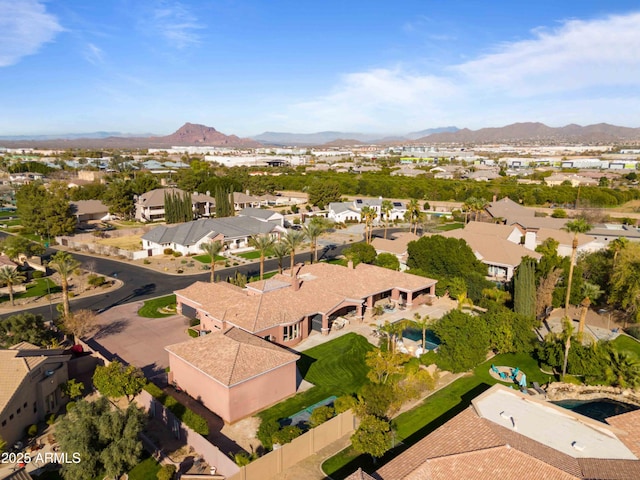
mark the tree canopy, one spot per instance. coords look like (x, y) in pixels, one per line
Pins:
(116, 380)
(24, 327)
(45, 211)
(464, 341)
(106, 439)
(323, 193)
(360, 253)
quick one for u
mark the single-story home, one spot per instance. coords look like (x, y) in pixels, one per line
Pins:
(87, 210)
(286, 308)
(234, 232)
(232, 372)
(509, 435)
(396, 245)
(342, 212)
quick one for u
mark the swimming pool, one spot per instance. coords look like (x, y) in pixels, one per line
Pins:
(414, 334)
(597, 409)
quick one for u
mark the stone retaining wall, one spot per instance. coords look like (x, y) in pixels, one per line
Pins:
(566, 391)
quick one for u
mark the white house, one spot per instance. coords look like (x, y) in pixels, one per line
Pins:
(351, 211)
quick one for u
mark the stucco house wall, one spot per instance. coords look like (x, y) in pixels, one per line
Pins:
(238, 401)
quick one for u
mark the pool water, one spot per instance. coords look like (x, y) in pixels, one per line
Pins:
(597, 409)
(432, 342)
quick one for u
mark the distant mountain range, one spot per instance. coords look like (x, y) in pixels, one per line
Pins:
(201, 135)
(342, 138)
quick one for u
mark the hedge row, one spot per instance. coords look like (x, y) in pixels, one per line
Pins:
(187, 416)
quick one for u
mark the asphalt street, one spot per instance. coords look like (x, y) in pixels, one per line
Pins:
(141, 283)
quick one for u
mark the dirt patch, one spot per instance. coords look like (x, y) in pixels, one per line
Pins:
(133, 243)
(244, 433)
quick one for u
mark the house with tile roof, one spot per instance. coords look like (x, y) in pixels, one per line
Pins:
(286, 308)
(30, 380)
(233, 232)
(342, 212)
(501, 255)
(150, 205)
(506, 434)
(396, 245)
(232, 372)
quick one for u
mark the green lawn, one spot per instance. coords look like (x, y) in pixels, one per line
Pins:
(147, 469)
(38, 288)
(450, 226)
(335, 368)
(264, 277)
(206, 259)
(255, 254)
(150, 309)
(434, 411)
(624, 343)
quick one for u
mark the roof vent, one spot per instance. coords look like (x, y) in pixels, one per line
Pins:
(578, 446)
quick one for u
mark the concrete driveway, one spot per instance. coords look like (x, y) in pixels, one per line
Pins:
(122, 334)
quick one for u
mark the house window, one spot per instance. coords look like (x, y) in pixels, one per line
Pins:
(11, 417)
(35, 407)
(4, 423)
(25, 405)
(290, 332)
(18, 412)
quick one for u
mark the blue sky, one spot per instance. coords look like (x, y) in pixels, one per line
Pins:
(249, 66)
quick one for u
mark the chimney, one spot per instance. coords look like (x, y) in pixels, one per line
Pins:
(495, 197)
(350, 264)
(248, 192)
(295, 283)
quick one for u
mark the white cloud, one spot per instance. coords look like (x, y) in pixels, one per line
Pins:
(177, 24)
(25, 26)
(578, 72)
(94, 54)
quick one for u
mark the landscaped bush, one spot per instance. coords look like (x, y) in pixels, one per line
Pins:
(32, 431)
(168, 251)
(146, 261)
(192, 333)
(286, 434)
(166, 472)
(344, 403)
(321, 415)
(184, 414)
(95, 280)
(193, 322)
(177, 254)
(265, 433)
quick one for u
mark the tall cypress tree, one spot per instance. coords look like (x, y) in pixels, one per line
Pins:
(524, 288)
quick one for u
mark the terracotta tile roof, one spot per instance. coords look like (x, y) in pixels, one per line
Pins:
(630, 424)
(397, 244)
(562, 236)
(493, 249)
(472, 447)
(323, 288)
(494, 229)
(360, 475)
(233, 356)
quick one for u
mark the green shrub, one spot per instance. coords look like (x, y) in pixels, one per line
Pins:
(177, 254)
(146, 261)
(95, 280)
(194, 321)
(32, 431)
(241, 459)
(70, 406)
(344, 403)
(168, 251)
(286, 434)
(166, 472)
(429, 358)
(187, 416)
(266, 430)
(192, 333)
(51, 419)
(321, 415)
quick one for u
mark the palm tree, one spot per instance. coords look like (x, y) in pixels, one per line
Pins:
(413, 213)
(368, 215)
(421, 323)
(64, 264)
(616, 246)
(479, 205)
(293, 239)
(624, 369)
(385, 210)
(280, 250)
(565, 336)
(212, 249)
(312, 231)
(10, 276)
(469, 206)
(262, 243)
(579, 225)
